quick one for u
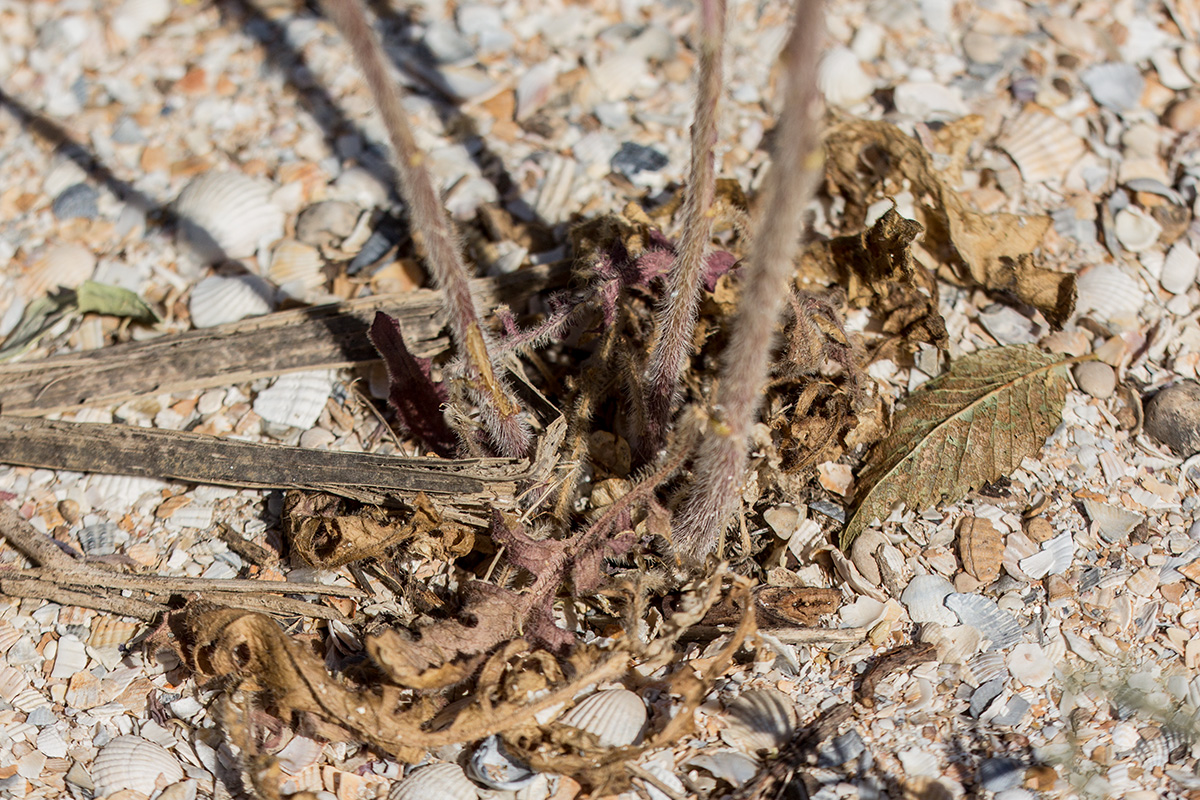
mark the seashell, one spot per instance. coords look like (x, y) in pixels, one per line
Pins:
(191, 515)
(553, 196)
(9, 635)
(925, 596)
(842, 79)
(227, 215)
(981, 547)
(1118, 87)
(131, 762)
(1136, 230)
(730, 766)
(864, 612)
(41, 716)
(70, 658)
(492, 766)
(112, 632)
(1110, 292)
(76, 202)
(378, 244)
(616, 716)
(1143, 582)
(997, 625)
(12, 683)
(918, 762)
(954, 645)
(29, 699)
(1180, 268)
(1062, 550)
(51, 743)
(296, 268)
(1113, 522)
(361, 187)
(760, 720)
(929, 100)
(59, 266)
(299, 753)
(295, 400)
(1041, 145)
(99, 539)
(218, 300)
(1028, 664)
(327, 223)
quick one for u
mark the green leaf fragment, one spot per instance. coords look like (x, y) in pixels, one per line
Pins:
(963, 430)
(98, 298)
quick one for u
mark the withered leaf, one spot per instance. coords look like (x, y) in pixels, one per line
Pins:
(962, 430)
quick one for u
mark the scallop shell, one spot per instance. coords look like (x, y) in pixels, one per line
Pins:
(1118, 87)
(219, 300)
(925, 597)
(227, 215)
(492, 766)
(842, 79)
(112, 632)
(296, 268)
(987, 667)
(62, 265)
(759, 720)
(1110, 292)
(131, 762)
(1114, 523)
(981, 548)
(616, 716)
(99, 539)
(1136, 230)
(295, 400)
(997, 625)
(70, 658)
(1179, 270)
(1041, 145)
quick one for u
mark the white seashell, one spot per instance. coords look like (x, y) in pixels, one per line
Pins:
(59, 266)
(328, 222)
(536, 86)
(492, 766)
(299, 753)
(51, 743)
(759, 720)
(227, 215)
(192, 515)
(616, 716)
(1028, 664)
(842, 79)
(29, 699)
(295, 400)
(1110, 292)
(296, 268)
(12, 683)
(864, 612)
(925, 596)
(70, 658)
(218, 300)
(1136, 230)
(131, 762)
(954, 645)
(925, 100)
(553, 196)
(918, 762)
(1062, 551)
(986, 667)
(1118, 87)
(1114, 523)
(359, 186)
(1041, 145)
(728, 765)
(1180, 268)
(997, 625)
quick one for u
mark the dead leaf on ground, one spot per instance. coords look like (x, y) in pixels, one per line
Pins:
(962, 430)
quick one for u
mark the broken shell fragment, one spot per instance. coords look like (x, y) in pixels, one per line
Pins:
(131, 762)
(997, 625)
(1028, 664)
(1114, 523)
(615, 716)
(492, 766)
(440, 781)
(760, 720)
(1136, 230)
(981, 548)
(227, 215)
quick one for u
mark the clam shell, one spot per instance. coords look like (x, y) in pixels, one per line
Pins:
(131, 762)
(327, 223)
(1028, 664)
(61, 265)
(1118, 87)
(1180, 268)
(1113, 522)
(997, 625)
(759, 720)
(296, 268)
(842, 78)
(1110, 292)
(219, 300)
(1136, 230)
(492, 766)
(925, 596)
(954, 645)
(99, 539)
(70, 658)
(981, 547)
(227, 215)
(728, 765)
(295, 400)
(1041, 145)
(616, 716)
(76, 202)
(440, 781)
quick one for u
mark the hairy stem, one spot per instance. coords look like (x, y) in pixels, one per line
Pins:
(721, 461)
(675, 320)
(435, 238)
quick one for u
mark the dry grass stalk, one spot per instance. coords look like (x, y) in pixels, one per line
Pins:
(436, 240)
(721, 462)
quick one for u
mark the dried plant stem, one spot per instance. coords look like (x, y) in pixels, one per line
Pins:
(675, 321)
(721, 461)
(435, 238)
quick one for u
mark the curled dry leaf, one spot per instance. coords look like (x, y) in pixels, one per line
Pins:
(963, 430)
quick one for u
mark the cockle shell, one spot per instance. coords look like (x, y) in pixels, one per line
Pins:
(925, 596)
(1110, 292)
(955, 644)
(111, 632)
(295, 400)
(296, 268)
(1041, 145)
(1028, 664)
(842, 79)
(615, 716)
(997, 625)
(492, 766)
(51, 743)
(1179, 269)
(981, 548)
(59, 266)
(227, 215)
(219, 300)
(759, 720)
(131, 762)
(986, 667)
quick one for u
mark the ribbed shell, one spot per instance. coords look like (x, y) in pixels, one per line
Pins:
(615, 716)
(1110, 292)
(219, 300)
(435, 782)
(997, 625)
(981, 548)
(111, 632)
(842, 79)
(759, 720)
(296, 399)
(99, 539)
(296, 268)
(225, 215)
(131, 762)
(1041, 145)
(62, 265)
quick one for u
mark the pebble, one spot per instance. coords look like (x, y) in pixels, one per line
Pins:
(1173, 417)
(76, 202)
(1096, 378)
(633, 159)
(841, 749)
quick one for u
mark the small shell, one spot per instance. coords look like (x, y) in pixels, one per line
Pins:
(327, 223)
(616, 716)
(492, 766)
(440, 781)
(1110, 292)
(9, 635)
(925, 596)
(1041, 145)
(1114, 523)
(864, 612)
(51, 743)
(728, 765)
(296, 268)
(359, 186)
(76, 202)
(131, 762)
(111, 632)
(981, 548)
(295, 400)
(70, 658)
(1062, 548)
(299, 753)
(227, 215)
(1117, 87)
(842, 79)
(378, 244)
(62, 265)
(954, 645)
(12, 683)
(759, 720)
(218, 300)
(1180, 268)
(1028, 664)
(1136, 230)
(997, 625)
(99, 539)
